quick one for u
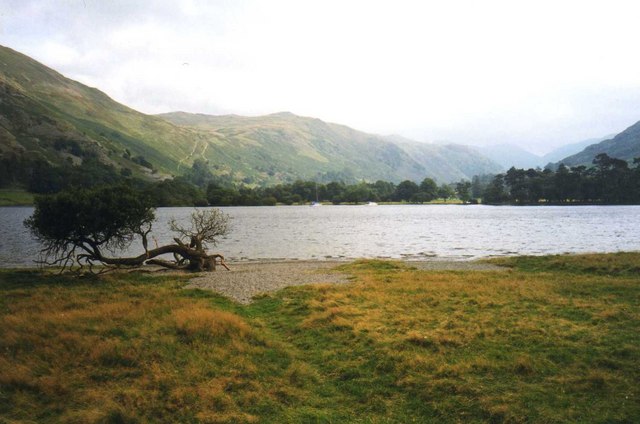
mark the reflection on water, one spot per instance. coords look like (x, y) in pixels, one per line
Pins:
(415, 232)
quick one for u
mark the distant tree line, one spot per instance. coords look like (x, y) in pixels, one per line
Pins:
(334, 192)
(38, 176)
(609, 181)
(199, 187)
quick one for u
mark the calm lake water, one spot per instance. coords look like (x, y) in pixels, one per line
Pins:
(413, 232)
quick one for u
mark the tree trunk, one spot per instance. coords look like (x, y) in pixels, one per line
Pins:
(196, 260)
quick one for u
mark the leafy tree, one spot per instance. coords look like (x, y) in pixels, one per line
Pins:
(425, 192)
(405, 191)
(495, 192)
(421, 197)
(463, 191)
(305, 189)
(445, 192)
(176, 192)
(429, 187)
(335, 191)
(359, 193)
(479, 184)
(384, 190)
(220, 196)
(79, 227)
(564, 186)
(199, 173)
(268, 201)
(612, 175)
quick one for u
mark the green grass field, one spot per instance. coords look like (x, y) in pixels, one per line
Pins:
(552, 339)
(10, 197)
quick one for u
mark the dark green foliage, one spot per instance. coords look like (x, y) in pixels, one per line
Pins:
(360, 193)
(41, 177)
(609, 181)
(463, 191)
(108, 217)
(405, 190)
(199, 174)
(219, 196)
(140, 160)
(176, 192)
(495, 192)
(445, 192)
(70, 146)
(429, 188)
(479, 184)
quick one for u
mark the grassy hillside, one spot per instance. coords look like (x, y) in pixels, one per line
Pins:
(550, 340)
(309, 147)
(448, 162)
(45, 115)
(625, 145)
(571, 149)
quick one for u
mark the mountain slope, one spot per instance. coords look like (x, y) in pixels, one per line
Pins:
(46, 116)
(447, 162)
(285, 145)
(508, 155)
(571, 149)
(625, 145)
(303, 144)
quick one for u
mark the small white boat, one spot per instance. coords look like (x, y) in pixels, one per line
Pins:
(371, 204)
(317, 201)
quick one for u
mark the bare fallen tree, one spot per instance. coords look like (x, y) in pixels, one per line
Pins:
(206, 226)
(78, 228)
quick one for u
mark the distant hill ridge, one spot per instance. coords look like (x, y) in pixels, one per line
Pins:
(46, 115)
(341, 149)
(509, 155)
(625, 145)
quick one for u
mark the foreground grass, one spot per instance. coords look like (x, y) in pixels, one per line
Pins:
(554, 339)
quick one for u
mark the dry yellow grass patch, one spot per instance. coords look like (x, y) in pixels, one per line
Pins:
(98, 352)
(205, 324)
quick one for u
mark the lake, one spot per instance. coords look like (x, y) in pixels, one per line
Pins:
(412, 232)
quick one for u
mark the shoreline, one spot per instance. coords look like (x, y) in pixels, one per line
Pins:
(245, 280)
(413, 259)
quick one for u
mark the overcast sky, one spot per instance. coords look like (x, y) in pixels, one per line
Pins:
(538, 74)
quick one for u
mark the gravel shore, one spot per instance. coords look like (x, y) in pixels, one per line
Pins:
(248, 279)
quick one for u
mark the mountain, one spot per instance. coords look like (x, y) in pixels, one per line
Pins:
(508, 155)
(447, 162)
(304, 146)
(46, 116)
(284, 146)
(571, 149)
(625, 145)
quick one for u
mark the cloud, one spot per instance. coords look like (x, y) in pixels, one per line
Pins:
(535, 73)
